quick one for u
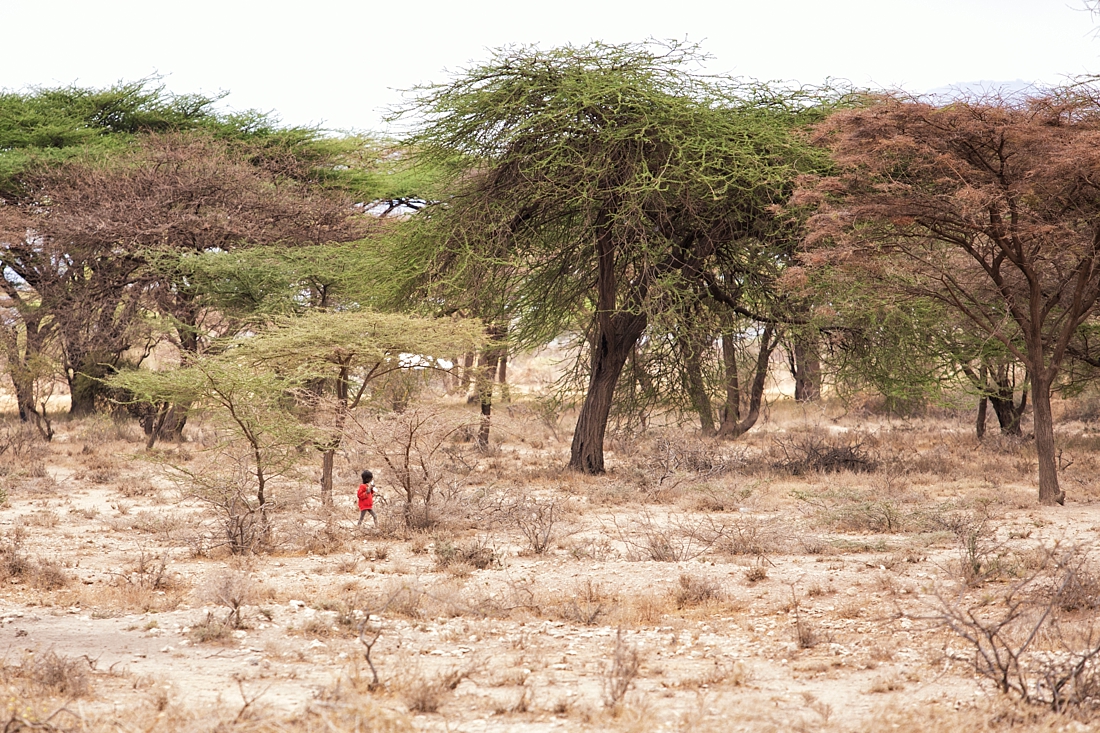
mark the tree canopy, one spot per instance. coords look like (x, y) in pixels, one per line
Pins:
(589, 188)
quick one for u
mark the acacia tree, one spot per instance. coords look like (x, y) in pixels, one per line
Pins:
(102, 240)
(990, 208)
(590, 186)
(350, 350)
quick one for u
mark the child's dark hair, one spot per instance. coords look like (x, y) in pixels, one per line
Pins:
(367, 477)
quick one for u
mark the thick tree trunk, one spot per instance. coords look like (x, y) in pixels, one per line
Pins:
(696, 387)
(610, 350)
(806, 369)
(82, 393)
(1008, 412)
(1049, 492)
(731, 411)
(731, 430)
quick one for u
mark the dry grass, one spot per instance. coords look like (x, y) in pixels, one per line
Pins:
(685, 552)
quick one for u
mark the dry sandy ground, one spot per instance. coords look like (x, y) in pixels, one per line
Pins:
(783, 622)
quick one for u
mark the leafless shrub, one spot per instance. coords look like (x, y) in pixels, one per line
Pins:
(806, 634)
(587, 604)
(478, 553)
(749, 535)
(620, 672)
(411, 445)
(536, 521)
(1027, 643)
(680, 538)
(694, 590)
(426, 694)
(15, 565)
(756, 573)
(669, 456)
(232, 589)
(226, 487)
(816, 452)
(980, 555)
(881, 508)
(147, 571)
(59, 674)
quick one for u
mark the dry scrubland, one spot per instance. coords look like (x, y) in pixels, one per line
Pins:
(804, 578)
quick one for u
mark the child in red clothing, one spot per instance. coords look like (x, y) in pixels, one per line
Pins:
(366, 498)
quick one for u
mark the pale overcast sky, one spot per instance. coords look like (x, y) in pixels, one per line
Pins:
(339, 63)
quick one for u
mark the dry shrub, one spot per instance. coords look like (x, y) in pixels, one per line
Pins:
(731, 673)
(744, 534)
(678, 538)
(15, 565)
(693, 590)
(587, 604)
(672, 454)
(536, 521)
(477, 553)
(427, 693)
(57, 674)
(316, 538)
(1028, 643)
(620, 672)
(818, 452)
(232, 589)
(643, 609)
(887, 506)
(756, 573)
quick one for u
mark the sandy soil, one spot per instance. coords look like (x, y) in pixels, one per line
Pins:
(799, 624)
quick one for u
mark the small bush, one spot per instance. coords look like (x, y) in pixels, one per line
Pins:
(61, 675)
(477, 554)
(693, 590)
(427, 694)
(819, 453)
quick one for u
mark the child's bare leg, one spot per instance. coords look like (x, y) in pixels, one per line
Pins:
(363, 514)
(372, 516)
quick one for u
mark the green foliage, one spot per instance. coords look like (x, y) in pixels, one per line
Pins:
(308, 347)
(541, 150)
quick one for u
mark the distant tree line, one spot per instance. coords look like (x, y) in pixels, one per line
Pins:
(686, 233)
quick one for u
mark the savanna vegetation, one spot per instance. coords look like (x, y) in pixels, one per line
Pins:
(676, 388)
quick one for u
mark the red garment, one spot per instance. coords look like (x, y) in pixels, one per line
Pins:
(366, 496)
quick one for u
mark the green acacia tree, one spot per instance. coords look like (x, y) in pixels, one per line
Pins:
(269, 387)
(254, 412)
(349, 351)
(588, 188)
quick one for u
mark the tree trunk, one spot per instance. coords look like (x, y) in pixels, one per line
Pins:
(468, 376)
(1049, 492)
(731, 411)
(696, 387)
(807, 369)
(979, 426)
(502, 379)
(488, 363)
(82, 393)
(610, 350)
(337, 433)
(1008, 412)
(768, 342)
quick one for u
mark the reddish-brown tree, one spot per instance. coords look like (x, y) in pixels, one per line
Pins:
(89, 232)
(989, 206)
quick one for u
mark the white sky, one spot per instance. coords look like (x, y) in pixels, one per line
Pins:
(340, 63)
